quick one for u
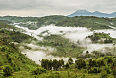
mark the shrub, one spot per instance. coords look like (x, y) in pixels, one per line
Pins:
(38, 70)
(1, 74)
(80, 63)
(104, 74)
(108, 69)
(7, 70)
(94, 70)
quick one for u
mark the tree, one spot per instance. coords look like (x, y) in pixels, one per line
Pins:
(45, 63)
(80, 63)
(67, 65)
(70, 61)
(50, 64)
(55, 64)
(61, 62)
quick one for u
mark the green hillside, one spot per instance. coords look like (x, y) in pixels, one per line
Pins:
(13, 63)
(18, 19)
(9, 53)
(64, 47)
(91, 22)
(86, 21)
(101, 38)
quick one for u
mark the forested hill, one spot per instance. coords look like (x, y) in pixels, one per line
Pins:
(58, 20)
(18, 19)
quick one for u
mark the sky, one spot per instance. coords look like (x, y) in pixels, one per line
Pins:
(41, 8)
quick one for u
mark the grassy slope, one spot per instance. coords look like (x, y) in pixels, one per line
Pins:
(10, 54)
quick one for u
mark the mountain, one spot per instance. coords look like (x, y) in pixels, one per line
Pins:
(87, 13)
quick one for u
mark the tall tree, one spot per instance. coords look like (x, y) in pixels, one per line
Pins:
(70, 61)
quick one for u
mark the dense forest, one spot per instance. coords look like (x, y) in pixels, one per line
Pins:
(14, 64)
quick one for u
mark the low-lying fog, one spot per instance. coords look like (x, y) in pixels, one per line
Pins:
(73, 33)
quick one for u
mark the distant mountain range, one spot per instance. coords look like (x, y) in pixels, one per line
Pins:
(87, 13)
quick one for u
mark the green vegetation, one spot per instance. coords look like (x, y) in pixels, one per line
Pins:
(13, 34)
(18, 19)
(5, 21)
(101, 38)
(13, 64)
(93, 68)
(85, 21)
(91, 22)
(64, 47)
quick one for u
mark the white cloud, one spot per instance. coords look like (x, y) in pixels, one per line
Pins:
(51, 7)
(73, 33)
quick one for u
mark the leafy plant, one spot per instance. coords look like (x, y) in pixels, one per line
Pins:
(38, 70)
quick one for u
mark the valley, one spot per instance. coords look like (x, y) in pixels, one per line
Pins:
(58, 37)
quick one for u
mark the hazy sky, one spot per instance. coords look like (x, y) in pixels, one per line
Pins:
(53, 7)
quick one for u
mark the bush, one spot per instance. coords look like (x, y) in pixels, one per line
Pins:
(114, 72)
(7, 70)
(1, 74)
(38, 70)
(108, 69)
(94, 70)
(80, 63)
(104, 74)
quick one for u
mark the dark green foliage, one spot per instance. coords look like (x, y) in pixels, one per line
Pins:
(94, 70)
(104, 74)
(45, 63)
(100, 63)
(114, 72)
(70, 61)
(48, 64)
(80, 63)
(109, 60)
(38, 70)
(7, 70)
(92, 63)
(108, 68)
(67, 65)
(99, 38)
(61, 63)
(55, 64)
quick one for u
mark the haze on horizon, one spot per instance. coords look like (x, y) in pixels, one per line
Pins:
(41, 8)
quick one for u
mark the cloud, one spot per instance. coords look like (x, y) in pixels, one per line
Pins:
(73, 33)
(59, 7)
